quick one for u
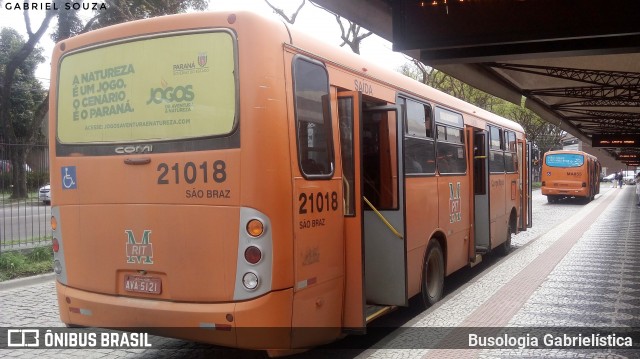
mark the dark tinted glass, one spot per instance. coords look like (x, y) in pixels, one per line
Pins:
(313, 118)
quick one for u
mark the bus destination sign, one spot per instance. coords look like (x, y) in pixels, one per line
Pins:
(615, 140)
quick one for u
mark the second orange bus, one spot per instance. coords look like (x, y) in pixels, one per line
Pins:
(570, 174)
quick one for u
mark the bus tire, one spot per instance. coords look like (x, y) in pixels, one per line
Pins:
(432, 274)
(505, 247)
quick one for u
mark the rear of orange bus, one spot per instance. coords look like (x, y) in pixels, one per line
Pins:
(567, 174)
(171, 179)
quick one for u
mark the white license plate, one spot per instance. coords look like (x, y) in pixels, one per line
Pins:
(142, 284)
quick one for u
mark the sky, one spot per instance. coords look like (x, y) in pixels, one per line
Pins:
(311, 19)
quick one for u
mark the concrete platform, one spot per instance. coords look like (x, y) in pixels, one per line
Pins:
(581, 276)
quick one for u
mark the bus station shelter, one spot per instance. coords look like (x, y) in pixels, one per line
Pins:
(575, 63)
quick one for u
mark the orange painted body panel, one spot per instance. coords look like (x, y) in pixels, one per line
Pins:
(498, 207)
(566, 188)
(319, 306)
(193, 321)
(202, 241)
(503, 200)
(422, 220)
(455, 219)
(318, 248)
(109, 180)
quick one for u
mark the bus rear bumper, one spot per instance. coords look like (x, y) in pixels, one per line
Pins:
(568, 192)
(261, 323)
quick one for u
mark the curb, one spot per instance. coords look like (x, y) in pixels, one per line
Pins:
(23, 282)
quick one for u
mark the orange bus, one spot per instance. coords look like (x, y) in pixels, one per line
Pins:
(222, 172)
(570, 174)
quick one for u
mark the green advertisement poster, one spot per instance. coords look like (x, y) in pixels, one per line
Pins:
(161, 88)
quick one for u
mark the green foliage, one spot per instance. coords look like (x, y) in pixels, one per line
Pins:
(26, 91)
(17, 264)
(12, 261)
(5, 181)
(21, 95)
(68, 24)
(37, 179)
(40, 254)
(450, 85)
(544, 134)
(119, 11)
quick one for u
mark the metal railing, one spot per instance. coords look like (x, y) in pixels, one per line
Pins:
(24, 222)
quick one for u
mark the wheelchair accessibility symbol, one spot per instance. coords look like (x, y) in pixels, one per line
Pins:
(69, 178)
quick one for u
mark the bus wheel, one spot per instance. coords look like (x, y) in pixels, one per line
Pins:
(432, 274)
(505, 247)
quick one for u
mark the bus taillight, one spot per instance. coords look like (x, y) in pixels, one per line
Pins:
(255, 228)
(55, 245)
(250, 280)
(57, 267)
(252, 254)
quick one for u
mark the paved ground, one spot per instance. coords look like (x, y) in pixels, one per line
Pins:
(577, 267)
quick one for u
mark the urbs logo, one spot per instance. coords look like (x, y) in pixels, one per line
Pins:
(171, 94)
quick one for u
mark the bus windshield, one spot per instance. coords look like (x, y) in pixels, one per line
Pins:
(161, 88)
(564, 160)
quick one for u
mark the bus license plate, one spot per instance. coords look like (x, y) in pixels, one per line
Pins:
(139, 284)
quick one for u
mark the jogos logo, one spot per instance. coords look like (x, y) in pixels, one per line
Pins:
(171, 94)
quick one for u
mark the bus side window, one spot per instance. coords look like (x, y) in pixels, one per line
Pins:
(313, 118)
(419, 151)
(496, 150)
(450, 142)
(510, 158)
(371, 161)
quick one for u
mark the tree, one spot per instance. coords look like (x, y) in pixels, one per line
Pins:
(69, 24)
(351, 34)
(544, 134)
(449, 84)
(119, 11)
(19, 129)
(421, 72)
(290, 19)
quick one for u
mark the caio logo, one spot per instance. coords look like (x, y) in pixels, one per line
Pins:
(171, 94)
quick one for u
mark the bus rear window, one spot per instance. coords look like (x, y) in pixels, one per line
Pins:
(564, 160)
(151, 89)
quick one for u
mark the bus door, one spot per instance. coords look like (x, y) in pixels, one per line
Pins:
(350, 115)
(383, 205)
(481, 188)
